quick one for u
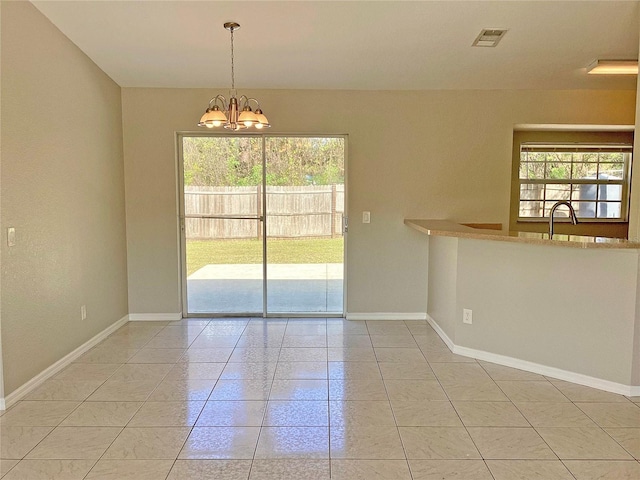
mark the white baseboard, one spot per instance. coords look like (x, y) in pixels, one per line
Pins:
(36, 381)
(386, 316)
(154, 317)
(557, 373)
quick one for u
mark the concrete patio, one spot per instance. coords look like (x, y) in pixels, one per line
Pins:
(299, 288)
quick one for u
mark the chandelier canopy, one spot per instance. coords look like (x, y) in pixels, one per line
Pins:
(237, 114)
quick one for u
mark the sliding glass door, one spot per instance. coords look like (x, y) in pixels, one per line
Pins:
(262, 224)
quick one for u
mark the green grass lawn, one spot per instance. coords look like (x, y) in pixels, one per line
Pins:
(316, 250)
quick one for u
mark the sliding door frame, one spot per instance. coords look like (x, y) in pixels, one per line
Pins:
(182, 240)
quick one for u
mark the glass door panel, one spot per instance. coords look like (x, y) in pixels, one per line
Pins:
(305, 201)
(223, 224)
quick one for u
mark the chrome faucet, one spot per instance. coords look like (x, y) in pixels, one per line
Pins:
(572, 215)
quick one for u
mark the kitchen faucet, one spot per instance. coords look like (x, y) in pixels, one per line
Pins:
(572, 215)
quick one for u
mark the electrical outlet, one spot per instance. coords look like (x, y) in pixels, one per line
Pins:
(467, 316)
(11, 236)
(366, 217)
(83, 312)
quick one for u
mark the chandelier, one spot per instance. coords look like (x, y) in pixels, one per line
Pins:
(237, 114)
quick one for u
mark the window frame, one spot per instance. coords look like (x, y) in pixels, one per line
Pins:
(581, 148)
(570, 140)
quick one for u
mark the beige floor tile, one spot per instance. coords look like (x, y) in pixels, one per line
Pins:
(182, 390)
(580, 393)
(280, 469)
(147, 443)
(399, 355)
(370, 470)
(437, 443)
(37, 414)
(460, 373)
(303, 355)
(414, 390)
(449, 470)
(141, 371)
(364, 388)
(406, 371)
(346, 327)
(247, 371)
(431, 343)
(107, 355)
(210, 470)
(224, 329)
(88, 371)
(130, 470)
(230, 413)
(366, 442)
(299, 390)
(397, 341)
(221, 443)
(510, 443)
(252, 389)
(259, 341)
(351, 354)
(582, 443)
(634, 399)
(50, 470)
(563, 414)
(296, 414)
(604, 470)
(6, 465)
(349, 370)
(490, 414)
(102, 414)
(612, 414)
(157, 355)
(293, 442)
(384, 327)
(629, 438)
(124, 391)
(499, 372)
(476, 392)
(16, 442)
(167, 414)
(301, 370)
(360, 413)
(532, 392)
(255, 355)
(181, 342)
(304, 341)
(215, 341)
(346, 341)
(425, 414)
(206, 355)
(528, 469)
(195, 371)
(75, 443)
(444, 355)
(305, 329)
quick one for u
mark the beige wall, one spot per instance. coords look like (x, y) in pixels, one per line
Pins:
(63, 191)
(567, 308)
(427, 154)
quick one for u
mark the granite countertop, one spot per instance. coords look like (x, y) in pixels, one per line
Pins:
(447, 228)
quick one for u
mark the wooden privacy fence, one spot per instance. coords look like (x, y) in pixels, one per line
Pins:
(292, 211)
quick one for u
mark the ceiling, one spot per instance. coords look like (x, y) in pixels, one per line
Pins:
(359, 45)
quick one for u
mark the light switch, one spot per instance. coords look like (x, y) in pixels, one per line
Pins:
(11, 236)
(366, 217)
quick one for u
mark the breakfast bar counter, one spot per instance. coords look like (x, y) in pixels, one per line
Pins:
(567, 313)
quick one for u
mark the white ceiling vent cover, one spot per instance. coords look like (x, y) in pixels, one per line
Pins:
(489, 37)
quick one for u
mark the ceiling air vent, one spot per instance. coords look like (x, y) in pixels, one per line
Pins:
(489, 37)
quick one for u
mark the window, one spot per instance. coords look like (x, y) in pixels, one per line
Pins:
(594, 178)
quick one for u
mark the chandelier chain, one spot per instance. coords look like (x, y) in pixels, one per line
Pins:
(233, 79)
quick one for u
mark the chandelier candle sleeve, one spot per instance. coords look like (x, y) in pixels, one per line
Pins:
(237, 114)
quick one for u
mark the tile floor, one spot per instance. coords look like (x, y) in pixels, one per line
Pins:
(309, 399)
